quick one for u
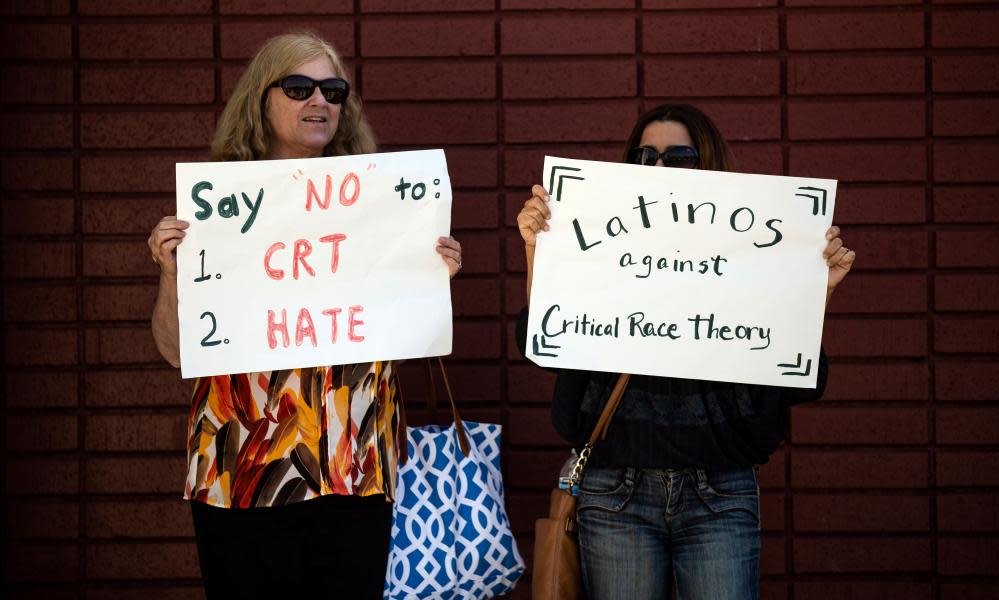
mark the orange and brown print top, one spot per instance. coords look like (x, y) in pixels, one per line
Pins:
(270, 439)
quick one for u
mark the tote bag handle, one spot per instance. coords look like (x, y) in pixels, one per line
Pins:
(431, 386)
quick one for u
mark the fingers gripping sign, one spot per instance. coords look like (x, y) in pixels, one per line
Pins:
(450, 251)
(163, 242)
(533, 218)
(838, 257)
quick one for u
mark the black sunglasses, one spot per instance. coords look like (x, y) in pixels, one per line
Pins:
(680, 157)
(300, 87)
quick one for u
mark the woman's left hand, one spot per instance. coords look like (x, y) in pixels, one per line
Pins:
(450, 251)
(838, 257)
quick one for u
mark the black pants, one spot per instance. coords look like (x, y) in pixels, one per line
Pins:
(328, 547)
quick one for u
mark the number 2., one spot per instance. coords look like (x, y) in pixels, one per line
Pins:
(205, 341)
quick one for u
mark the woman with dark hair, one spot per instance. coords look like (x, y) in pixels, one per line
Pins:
(290, 472)
(670, 496)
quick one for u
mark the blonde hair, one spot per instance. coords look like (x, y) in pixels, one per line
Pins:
(243, 132)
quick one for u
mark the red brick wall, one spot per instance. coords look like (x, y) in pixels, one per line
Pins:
(889, 485)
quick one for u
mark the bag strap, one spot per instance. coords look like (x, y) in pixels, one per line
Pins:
(603, 423)
(571, 483)
(431, 388)
(459, 425)
(402, 435)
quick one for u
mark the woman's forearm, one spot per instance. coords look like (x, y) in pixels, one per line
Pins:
(529, 252)
(166, 328)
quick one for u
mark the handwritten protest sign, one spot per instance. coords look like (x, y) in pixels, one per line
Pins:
(681, 272)
(301, 263)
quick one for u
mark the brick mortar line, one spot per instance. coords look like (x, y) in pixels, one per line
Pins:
(165, 152)
(127, 62)
(240, 17)
(785, 146)
(931, 315)
(81, 409)
(153, 151)
(908, 449)
(762, 99)
(358, 59)
(501, 202)
(964, 406)
(951, 406)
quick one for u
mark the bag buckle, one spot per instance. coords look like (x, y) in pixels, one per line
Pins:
(569, 485)
(570, 526)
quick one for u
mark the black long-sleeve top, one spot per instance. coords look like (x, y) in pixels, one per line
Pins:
(671, 423)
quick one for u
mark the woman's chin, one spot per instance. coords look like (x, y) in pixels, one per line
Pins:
(313, 146)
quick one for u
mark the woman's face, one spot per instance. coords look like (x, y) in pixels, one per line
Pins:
(302, 128)
(663, 134)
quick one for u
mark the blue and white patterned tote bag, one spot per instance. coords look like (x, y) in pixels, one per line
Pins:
(451, 537)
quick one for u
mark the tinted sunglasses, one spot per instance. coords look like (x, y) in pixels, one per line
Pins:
(680, 157)
(300, 87)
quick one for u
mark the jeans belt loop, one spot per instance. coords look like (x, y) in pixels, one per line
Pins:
(629, 476)
(702, 478)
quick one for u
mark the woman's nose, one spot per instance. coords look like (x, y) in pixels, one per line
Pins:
(317, 98)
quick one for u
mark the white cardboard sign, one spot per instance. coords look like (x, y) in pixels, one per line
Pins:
(681, 273)
(301, 263)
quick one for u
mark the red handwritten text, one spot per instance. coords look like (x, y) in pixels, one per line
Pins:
(301, 250)
(350, 190)
(305, 328)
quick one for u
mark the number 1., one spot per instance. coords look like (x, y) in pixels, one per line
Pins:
(203, 276)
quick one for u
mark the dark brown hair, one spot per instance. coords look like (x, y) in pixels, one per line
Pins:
(714, 152)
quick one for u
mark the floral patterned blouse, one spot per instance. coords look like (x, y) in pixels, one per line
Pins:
(274, 438)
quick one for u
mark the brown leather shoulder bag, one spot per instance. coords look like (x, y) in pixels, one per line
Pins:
(556, 570)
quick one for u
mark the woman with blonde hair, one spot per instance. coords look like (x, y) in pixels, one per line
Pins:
(290, 473)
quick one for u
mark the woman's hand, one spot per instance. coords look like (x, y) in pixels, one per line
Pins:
(163, 241)
(534, 216)
(450, 251)
(839, 258)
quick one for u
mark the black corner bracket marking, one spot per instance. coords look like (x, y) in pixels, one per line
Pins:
(558, 189)
(818, 196)
(797, 365)
(543, 346)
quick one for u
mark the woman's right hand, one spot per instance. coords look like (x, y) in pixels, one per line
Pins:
(163, 242)
(534, 216)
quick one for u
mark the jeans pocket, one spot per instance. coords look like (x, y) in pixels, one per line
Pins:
(606, 489)
(735, 490)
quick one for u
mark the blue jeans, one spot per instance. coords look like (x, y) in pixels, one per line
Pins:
(641, 531)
